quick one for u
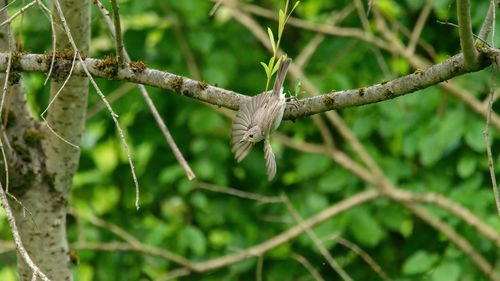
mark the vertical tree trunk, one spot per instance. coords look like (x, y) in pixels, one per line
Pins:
(41, 164)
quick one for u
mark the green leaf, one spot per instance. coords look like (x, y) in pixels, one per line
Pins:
(105, 156)
(204, 121)
(447, 271)
(474, 136)
(105, 199)
(430, 150)
(195, 240)
(266, 68)
(365, 228)
(275, 68)
(271, 39)
(294, 6)
(281, 23)
(419, 262)
(309, 165)
(466, 166)
(334, 181)
(298, 84)
(219, 238)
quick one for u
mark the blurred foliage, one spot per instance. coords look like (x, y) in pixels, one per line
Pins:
(426, 141)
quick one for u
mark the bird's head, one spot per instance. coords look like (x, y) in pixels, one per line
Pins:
(254, 134)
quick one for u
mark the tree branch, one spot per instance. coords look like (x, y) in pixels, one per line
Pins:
(201, 91)
(486, 27)
(465, 31)
(118, 33)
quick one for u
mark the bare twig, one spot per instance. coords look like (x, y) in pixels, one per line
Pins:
(465, 31)
(488, 20)
(185, 49)
(486, 132)
(132, 241)
(307, 25)
(239, 193)
(54, 38)
(454, 208)
(114, 96)
(174, 274)
(359, 198)
(21, 11)
(314, 273)
(419, 26)
(113, 114)
(163, 127)
(52, 101)
(364, 255)
(17, 237)
(313, 44)
(260, 265)
(457, 239)
(118, 34)
(335, 266)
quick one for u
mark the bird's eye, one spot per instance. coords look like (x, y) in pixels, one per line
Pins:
(251, 136)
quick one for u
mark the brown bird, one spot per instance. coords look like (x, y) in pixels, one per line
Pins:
(258, 118)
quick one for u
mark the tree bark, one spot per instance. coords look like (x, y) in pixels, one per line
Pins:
(41, 165)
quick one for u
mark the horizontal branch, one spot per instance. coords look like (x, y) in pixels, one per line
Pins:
(107, 68)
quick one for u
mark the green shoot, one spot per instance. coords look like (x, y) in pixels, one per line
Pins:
(273, 64)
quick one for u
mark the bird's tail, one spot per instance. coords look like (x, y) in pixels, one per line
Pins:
(280, 76)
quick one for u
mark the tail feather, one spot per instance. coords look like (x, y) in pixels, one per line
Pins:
(270, 161)
(280, 76)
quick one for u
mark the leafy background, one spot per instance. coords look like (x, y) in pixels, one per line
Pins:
(427, 141)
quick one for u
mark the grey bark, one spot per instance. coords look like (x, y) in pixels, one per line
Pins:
(452, 67)
(41, 171)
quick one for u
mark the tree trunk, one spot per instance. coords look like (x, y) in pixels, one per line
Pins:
(41, 165)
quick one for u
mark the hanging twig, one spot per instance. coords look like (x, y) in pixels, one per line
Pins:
(118, 34)
(113, 114)
(163, 127)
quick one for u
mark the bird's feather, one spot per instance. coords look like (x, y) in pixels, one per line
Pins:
(244, 120)
(270, 161)
(264, 112)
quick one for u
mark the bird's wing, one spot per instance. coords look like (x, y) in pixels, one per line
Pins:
(242, 122)
(270, 161)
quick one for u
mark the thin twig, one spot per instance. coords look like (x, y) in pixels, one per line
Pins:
(132, 241)
(114, 96)
(488, 20)
(54, 38)
(239, 193)
(163, 127)
(302, 260)
(174, 274)
(21, 11)
(364, 255)
(457, 239)
(465, 30)
(335, 209)
(335, 266)
(486, 132)
(7, 6)
(419, 26)
(52, 101)
(260, 265)
(118, 34)
(306, 53)
(113, 114)
(17, 238)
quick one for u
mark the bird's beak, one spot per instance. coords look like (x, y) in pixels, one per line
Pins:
(242, 140)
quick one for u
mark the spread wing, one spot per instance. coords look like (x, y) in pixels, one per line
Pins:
(243, 121)
(270, 161)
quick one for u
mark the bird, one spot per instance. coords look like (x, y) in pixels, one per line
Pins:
(257, 119)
